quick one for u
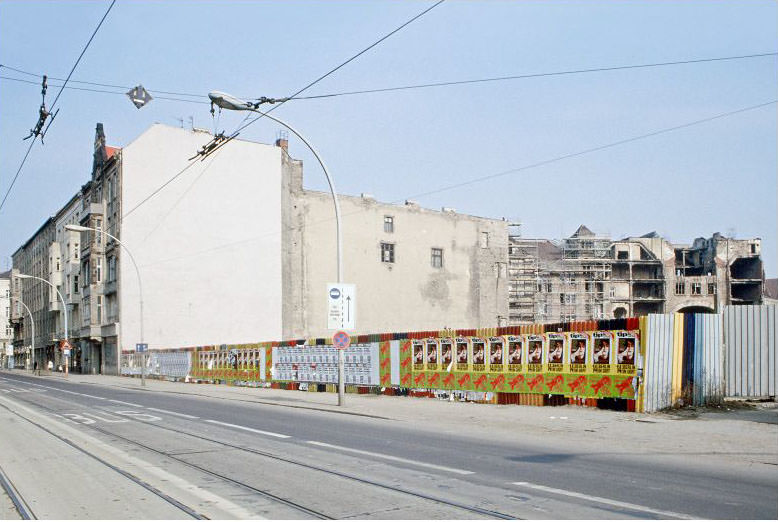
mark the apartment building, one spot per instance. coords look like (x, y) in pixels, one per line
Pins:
(232, 249)
(6, 330)
(587, 276)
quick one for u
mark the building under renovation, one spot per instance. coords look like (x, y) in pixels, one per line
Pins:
(586, 276)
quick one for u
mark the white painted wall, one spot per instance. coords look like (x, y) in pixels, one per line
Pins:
(208, 245)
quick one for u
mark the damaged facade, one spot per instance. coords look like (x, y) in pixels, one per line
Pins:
(587, 276)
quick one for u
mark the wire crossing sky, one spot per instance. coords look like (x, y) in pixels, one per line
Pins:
(465, 92)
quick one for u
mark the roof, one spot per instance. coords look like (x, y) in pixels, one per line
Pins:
(650, 235)
(5, 275)
(110, 151)
(583, 232)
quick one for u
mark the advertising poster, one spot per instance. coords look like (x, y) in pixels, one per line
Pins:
(579, 349)
(447, 354)
(432, 355)
(556, 354)
(406, 363)
(418, 356)
(601, 351)
(479, 355)
(515, 346)
(496, 356)
(462, 352)
(534, 353)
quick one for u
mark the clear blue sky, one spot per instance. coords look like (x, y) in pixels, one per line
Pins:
(717, 176)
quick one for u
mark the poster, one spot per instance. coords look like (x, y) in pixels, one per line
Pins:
(556, 346)
(515, 346)
(479, 355)
(462, 353)
(496, 354)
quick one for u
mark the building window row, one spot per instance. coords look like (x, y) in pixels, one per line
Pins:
(387, 255)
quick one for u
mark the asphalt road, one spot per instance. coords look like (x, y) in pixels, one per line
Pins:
(233, 459)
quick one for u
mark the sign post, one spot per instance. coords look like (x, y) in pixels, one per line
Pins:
(141, 348)
(341, 315)
(66, 352)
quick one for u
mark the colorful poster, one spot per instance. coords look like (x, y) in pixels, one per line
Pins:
(479, 356)
(447, 355)
(462, 353)
(432, 354)
(534, 353)
(601, 352)
(578, 345)
(556, 346)
(418, 356)
(496, 354)
(515, 345)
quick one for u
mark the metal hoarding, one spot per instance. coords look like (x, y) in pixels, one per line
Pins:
(750, 339)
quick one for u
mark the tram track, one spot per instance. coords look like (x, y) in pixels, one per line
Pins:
(304, 465)
(191, 512)
(21, 505)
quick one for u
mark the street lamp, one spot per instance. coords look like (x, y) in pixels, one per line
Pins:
(64, 310)
(79, 228)
(33, 331)
(226, 101)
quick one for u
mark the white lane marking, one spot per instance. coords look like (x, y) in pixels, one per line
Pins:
(270, 433)
(601, 500)
(142, 468)
(126, 403)
(391, 457)
(184, 415)
(138, 415)
(115, 420)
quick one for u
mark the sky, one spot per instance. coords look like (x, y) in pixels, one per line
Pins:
(715, 176)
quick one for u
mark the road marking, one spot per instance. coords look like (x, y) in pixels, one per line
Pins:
(250, 429)
(390, 457)
(112, 421)
(126, 403)
(184, 415)
(617, 503)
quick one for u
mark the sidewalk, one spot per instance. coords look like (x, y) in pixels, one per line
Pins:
(746, 438)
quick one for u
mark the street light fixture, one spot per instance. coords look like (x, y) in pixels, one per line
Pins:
(79, 228)
(64, 310)
(227, 101)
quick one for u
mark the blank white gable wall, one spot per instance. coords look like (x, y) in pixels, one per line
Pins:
(208, 245)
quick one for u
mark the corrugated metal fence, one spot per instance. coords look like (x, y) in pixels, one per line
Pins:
(750, 337)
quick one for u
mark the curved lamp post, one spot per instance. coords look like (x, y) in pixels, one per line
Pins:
(64, 309)
(79, 228)
(226, 101)
(32, 339)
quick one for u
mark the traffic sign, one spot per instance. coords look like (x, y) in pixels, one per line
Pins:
(66, 353)
(341, 306)
(141, 347)
(341, 340)
(66, 345)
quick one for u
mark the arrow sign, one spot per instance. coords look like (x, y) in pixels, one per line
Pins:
(341, 306)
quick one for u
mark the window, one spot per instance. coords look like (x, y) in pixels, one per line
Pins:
(680, 288)
(75, 251)
(753, 248)
(85, 271)
(86, 312)
(622, 254)
(484, 239)
(75, 283)
(696, 289)
(711, 288)
(387, 252)
(98, 269)
(389, 224)
(111, 269)
(99, 234)
(437, 258)
(99, 309)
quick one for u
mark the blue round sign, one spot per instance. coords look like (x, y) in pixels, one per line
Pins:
(335, 293)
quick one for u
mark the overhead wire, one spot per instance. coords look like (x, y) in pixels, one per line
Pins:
(157, 93)
(491, 176)
(311, 84)
(54, 103)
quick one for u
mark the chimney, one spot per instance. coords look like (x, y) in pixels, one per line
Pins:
(283, 143)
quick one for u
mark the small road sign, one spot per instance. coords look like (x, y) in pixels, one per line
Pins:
(66, 353)
(141, 347)
(341, 306)
(139, 96)
(66, 346)
(341, 340)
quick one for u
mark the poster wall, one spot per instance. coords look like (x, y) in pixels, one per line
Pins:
(576, 364)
